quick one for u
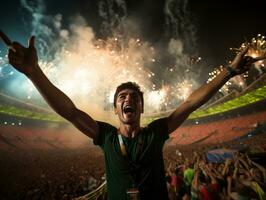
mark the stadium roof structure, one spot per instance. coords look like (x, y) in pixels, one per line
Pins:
(241, 101)
(24, 110)
(236, 103)
(254, 93)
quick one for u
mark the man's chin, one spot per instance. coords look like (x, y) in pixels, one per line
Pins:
(129, 118)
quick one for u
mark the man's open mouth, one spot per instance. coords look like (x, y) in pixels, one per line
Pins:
(128, 109)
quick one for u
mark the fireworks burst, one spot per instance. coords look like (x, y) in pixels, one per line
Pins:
(184, 89)
(88, 69)
(257, 48)
(237, 82)
(156, 98)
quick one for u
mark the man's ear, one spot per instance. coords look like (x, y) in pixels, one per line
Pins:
(115, 110)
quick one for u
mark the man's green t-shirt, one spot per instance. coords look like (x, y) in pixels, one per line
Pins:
(150, 174)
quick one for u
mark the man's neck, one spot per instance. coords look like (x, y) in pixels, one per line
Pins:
(129, 130)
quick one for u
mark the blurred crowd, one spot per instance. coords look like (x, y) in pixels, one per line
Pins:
(54, 174)
(70, 173)
(236, 178)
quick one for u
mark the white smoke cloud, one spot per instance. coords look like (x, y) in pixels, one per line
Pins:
(89, 69)
(179, 23)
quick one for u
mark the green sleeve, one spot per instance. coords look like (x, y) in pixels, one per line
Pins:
(160, 128)
(105, 129)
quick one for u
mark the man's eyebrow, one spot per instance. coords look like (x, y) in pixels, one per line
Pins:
(121, 93)
(124, 93)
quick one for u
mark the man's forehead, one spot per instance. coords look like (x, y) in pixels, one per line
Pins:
(127, 91)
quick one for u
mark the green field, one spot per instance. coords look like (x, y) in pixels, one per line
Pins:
(18, 112)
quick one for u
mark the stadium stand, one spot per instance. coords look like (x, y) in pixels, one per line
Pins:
(49, 160)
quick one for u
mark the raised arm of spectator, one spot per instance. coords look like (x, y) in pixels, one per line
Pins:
(210, 174)
(226, 166)
(195, 183)
(25, 60)
(169, 168)
(215, 172)
(229, 187)
(239, 65)
(244, 162)
(261, 168)
(236, 168)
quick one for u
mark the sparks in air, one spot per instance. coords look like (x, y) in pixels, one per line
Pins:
(87, 69)
(184, 89)
(257, 48)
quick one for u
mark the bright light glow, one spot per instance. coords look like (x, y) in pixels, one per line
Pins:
(156, 98)
(111, 97)
(184, 89)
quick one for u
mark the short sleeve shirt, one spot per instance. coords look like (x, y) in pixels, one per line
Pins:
(149, 173)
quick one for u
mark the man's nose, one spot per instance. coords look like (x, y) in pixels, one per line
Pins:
(128, 98)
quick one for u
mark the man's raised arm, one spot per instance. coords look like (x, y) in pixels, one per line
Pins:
(240, 64)
(25, 60)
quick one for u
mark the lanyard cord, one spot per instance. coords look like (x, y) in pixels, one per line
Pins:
(133, 165)
(122, 145)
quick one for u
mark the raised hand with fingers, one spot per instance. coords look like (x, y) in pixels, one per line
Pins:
(24, 59)
(242, 62)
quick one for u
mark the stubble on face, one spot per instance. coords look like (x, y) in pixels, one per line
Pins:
(128, 106)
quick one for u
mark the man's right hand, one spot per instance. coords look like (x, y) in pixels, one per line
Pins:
(24, 59)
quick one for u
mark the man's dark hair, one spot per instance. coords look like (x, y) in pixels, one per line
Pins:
(129, 85)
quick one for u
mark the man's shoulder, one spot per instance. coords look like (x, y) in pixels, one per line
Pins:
(105, 131)
(158, 128)
(160, 123)
(105, 125)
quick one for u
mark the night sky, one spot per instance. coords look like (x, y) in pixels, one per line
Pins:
(217, 22)
(217, 25)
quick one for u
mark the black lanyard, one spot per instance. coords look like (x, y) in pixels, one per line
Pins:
(134, 165)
